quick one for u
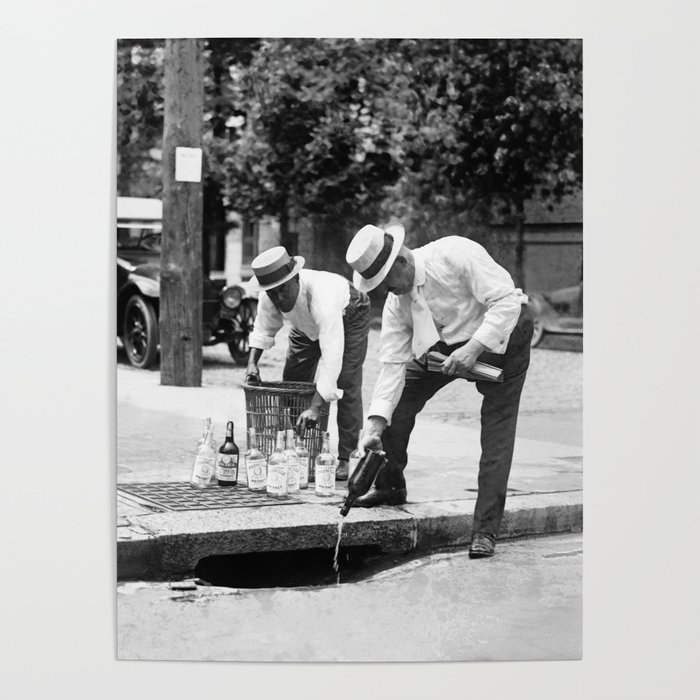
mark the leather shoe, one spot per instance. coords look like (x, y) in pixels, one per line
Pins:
(483, 545)
(341, 472)
(378, 497)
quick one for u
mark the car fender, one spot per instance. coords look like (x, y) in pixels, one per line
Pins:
(540, 308)
(147, 286)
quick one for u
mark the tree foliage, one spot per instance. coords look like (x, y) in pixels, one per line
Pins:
(139, 117)
(491, 124)
(440, 133)
(311, 135)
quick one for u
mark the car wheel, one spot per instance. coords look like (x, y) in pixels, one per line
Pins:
(141, 334)
(239, 347)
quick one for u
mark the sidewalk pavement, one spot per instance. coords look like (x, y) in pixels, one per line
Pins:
(158, 428)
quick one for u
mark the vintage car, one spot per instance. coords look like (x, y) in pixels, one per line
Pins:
(557, 312)
(228, 312)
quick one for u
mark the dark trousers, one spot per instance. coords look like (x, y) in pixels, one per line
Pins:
(499, 416)
(303, 356)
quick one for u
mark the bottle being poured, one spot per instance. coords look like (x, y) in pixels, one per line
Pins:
(363, 477)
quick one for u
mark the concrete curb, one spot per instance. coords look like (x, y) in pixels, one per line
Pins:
(169, 545)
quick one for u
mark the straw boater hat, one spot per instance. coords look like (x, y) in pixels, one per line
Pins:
(273, 268)
(371, 254)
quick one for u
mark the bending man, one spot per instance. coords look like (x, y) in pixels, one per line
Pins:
(450, 296)
(329, 321)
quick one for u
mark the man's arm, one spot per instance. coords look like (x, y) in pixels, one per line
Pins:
(267, 323)
(395, 354)
(311, 415)
(331, 340)
(252, 375)
(493, 287)
(372, 434)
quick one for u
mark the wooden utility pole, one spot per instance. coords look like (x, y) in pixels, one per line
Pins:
(181, 259)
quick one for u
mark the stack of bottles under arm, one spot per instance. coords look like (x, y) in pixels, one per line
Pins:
(287, 470)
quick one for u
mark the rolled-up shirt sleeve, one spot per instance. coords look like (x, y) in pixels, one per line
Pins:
(395, 354)
(268, 322)
(493, 287)
(331, 339)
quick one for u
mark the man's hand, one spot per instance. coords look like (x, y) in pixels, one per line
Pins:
(307, 419)
(463, 359)
(252, 374)
(372, 434)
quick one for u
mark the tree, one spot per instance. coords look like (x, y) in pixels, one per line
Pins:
(139, 116)
(442, 134)
(219, 55)
(491, 124)
(311, 138)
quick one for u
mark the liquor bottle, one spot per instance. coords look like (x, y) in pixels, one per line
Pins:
(355, 456)
(277, 467)
(227, 464)
(325, 467)
(255, 464)
(293, 471)
(303, 456)
(204, 461)
(361, 480)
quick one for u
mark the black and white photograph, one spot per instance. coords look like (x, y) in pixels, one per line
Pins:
(295, 390)
(349, 313)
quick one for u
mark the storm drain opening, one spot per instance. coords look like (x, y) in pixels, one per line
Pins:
(293, 569)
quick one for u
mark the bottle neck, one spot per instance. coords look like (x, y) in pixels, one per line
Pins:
(348, 504)
(290, 438)
(252, 439)
(326, 446)
(279, 444)
(229, 431)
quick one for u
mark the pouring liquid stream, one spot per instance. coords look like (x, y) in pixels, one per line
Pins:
(358, 484)
(336, 566)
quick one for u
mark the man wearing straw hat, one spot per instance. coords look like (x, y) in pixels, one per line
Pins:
(329, 321)
(449, 296)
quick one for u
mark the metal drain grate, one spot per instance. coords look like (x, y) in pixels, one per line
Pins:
(181, 495)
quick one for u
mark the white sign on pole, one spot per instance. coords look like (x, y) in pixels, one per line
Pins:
(188, 164)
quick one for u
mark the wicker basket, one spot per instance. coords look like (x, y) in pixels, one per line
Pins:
(273, 406)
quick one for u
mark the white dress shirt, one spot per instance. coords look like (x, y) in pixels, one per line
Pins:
(318, 314)
(469, 296)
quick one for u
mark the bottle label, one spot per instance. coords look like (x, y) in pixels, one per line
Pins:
(293, 474)
(303, 472)
(257, 474)
(227, 469)
(325, 478)
(277, 478)
(203, 467)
